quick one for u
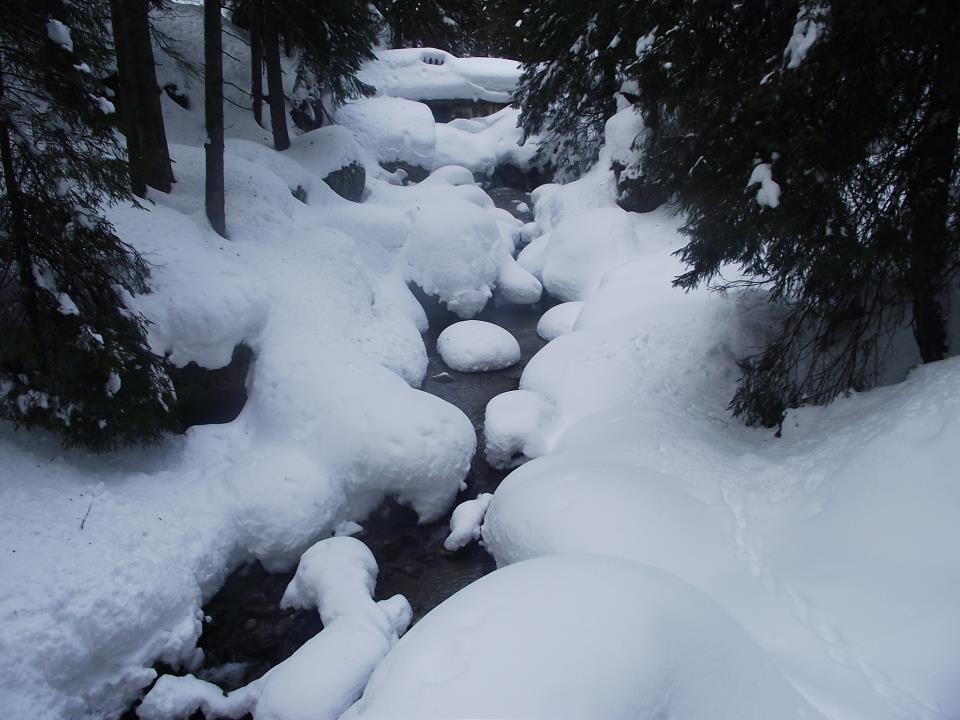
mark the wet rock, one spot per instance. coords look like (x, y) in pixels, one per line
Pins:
(348, 182)
(209, 397)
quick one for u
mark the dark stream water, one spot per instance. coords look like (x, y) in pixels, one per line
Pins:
(246, 633)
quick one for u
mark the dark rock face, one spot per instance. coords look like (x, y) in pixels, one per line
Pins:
(446, 110)
(511, 176)
(637, 194)
(415, 173)
(348, 182)
(212, 397)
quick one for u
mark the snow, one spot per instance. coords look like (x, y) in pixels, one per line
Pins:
(511, 424)
(465, 522)
(827, 545)
(430, 74)
(807, 30)
(477, 346)
(396, 130)
(59, 34)
(525, 642)
(337, 576)
(559, 320)
(768, 194)
(483, 143)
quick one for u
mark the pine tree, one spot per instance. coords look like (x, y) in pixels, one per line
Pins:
(573, 55)
(815, 146)
(74, 358)
(426, 23)
(213, 109)
(141, 114)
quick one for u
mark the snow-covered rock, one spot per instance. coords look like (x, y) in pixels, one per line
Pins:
(477, 346)
(430, 74)
(396, 130)
(511, 427)
(465, 522)
(578, 637)
(559, 320)
(323, 677)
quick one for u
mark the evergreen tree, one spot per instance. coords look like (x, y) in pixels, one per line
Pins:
(213, 108)
(426, 23)
(74, 358)
(815, 146)
(141, 114)
(573, 55)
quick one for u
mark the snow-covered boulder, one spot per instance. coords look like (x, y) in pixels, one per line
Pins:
(511, 426)
(430, 74)
(465, 522)
(396, 130)
(559, 320)
(477, 346)
(578, 637)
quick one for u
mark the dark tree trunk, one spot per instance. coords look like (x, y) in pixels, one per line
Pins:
(278, 107)
(256, 60)
(141, 112)
(213, 98)
(928, 199)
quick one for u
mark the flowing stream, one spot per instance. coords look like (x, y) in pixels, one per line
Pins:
(247, 633)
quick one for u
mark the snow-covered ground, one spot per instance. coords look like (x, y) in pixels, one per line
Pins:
(707, 569)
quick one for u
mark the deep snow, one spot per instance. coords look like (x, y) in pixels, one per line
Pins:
(706, 569)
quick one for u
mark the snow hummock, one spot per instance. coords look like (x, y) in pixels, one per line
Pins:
(396, 130)
(578, 637)
(511, 426)
(465, 522)
(477, 346)
(559, 320)
(768, 194)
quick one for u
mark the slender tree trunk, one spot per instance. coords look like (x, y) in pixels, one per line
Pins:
(928, 201)
(278, 107)
(256, 60)
(213, 99)
(141, 112)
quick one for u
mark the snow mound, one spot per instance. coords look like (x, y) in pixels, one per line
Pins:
(511, 426)
(559, 320)
(583, 248)
(429, 74)
(338, 576)
(483, 143)
(455, 252)
(477, 346)
(465, 522)
(516, 284)
(578, 637)
(396, 130)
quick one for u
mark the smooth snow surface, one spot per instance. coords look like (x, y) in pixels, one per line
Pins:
(477, 346)
(559, 320)
(578, 637)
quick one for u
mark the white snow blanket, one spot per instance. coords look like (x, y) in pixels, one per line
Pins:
(578, 637)
(832, 545)
(430, 74)
(477, 346)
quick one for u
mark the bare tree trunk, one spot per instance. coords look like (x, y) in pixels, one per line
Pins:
(141, 112)
(213, 99)
(256, 60)
(928, 201)
(278, 108)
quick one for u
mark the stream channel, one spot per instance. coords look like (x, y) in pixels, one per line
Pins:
(246, 632)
